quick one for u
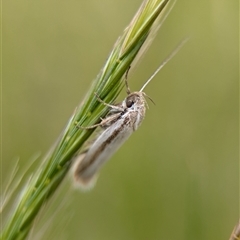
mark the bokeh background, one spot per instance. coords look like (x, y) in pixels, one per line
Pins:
(177, 177)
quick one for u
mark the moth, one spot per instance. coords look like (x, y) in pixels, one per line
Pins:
(123, 119)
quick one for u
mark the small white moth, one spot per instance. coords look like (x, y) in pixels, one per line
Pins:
(122, 120)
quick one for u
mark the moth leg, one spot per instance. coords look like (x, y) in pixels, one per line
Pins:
(89, 127)
(149, 98)
(107, 104)
(109, 120)
(106, 122)
(126, 82)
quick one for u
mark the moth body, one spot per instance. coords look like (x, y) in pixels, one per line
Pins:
(123, 119)
(119, 125)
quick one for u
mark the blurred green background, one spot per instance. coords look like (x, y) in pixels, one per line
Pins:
(177, 177)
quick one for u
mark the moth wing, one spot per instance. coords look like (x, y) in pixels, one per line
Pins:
(88, 163)
(79, 182)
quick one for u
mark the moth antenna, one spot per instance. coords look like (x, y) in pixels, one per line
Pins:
(175, 51)
(126, 82)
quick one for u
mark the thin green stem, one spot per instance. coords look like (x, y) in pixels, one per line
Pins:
(107, 85)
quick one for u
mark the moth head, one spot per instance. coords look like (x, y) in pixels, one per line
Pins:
(134, 99)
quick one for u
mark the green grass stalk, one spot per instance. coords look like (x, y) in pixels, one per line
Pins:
(107, 85)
